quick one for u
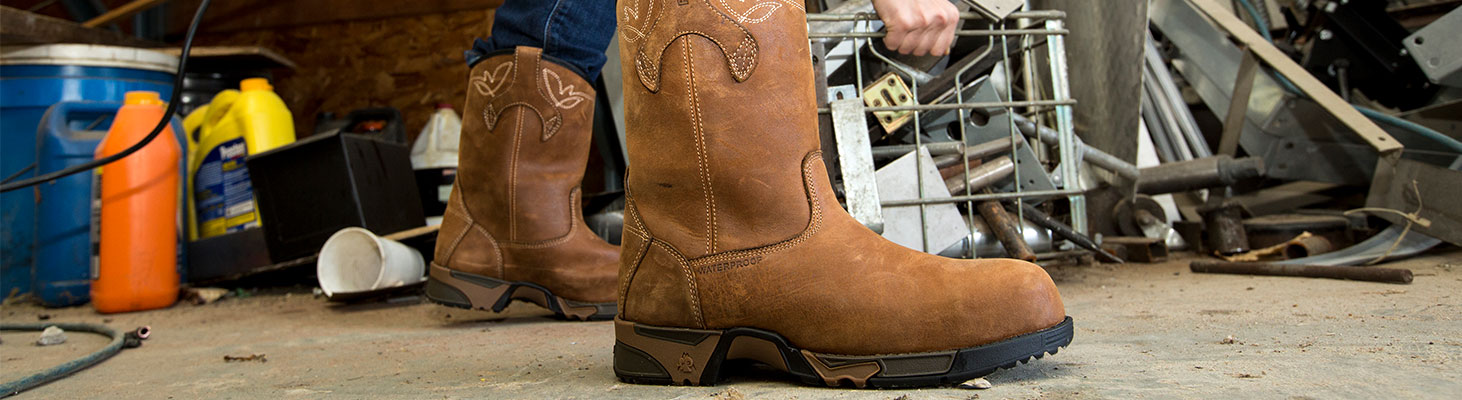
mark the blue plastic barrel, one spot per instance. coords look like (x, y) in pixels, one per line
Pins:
(32, 78)
(69, 135)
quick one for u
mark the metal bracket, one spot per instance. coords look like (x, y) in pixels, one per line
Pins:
(889, 91)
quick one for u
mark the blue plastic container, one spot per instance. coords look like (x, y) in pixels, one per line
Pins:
(32, 78)
(69, 135)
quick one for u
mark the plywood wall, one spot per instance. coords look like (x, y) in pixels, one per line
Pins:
(408, 62)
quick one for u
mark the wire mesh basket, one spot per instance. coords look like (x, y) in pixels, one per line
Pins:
(965, 114)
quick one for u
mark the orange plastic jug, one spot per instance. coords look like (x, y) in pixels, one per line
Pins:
(136, 262)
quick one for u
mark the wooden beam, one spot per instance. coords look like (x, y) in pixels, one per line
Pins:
(22, 27)
(126, 10)
(1384, 144)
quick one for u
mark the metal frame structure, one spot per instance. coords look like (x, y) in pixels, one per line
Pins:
(1018, 27)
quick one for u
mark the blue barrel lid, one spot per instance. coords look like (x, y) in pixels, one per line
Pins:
(89, 55)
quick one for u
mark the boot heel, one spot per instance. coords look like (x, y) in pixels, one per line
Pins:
(666, 356)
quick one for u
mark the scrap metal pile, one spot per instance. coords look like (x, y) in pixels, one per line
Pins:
(1327, 137)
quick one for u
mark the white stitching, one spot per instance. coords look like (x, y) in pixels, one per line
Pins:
(702, 164)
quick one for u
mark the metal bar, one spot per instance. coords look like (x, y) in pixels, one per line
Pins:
(859, 185)
(1233, 124)
(1368, 274)
(1046, 14)
(1066, 136)
(963, 33)
(1034, 194)
(966, 106)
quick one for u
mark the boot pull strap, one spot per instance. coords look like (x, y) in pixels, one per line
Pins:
(664, 21)
(553, 91)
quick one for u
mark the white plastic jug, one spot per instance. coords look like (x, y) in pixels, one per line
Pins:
(437, 145)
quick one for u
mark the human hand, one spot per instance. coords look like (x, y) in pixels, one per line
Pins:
(918, 27)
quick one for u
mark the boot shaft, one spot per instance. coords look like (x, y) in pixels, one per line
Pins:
(722, 115)
(524, 145)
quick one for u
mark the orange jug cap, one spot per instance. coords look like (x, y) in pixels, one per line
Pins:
(255, 84)
(142, 97)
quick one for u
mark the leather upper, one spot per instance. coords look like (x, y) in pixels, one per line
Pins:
(514, 212)
(731, 220)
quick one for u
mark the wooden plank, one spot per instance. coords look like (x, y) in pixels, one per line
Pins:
(22, 27)
(1321, 94)
(126, 10)
(252, 15)
(1233, 125)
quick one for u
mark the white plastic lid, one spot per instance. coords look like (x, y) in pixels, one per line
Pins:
(89, 55)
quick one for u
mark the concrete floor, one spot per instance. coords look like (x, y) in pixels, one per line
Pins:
(1143, 330)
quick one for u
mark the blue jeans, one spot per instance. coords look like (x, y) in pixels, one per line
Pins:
(575, 32)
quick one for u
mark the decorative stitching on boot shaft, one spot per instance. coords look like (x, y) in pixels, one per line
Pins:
(740, 61)
(702, 163)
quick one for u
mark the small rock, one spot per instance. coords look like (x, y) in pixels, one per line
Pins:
(43, 317)
(977, 383)
(51, 336)
(1230, 340)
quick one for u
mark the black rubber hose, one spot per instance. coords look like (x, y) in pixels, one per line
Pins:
(119, 340)
(166, 118)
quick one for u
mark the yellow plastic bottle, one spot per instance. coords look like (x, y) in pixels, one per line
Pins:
(237, 124)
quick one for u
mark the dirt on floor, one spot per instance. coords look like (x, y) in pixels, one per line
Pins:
(1143, 331)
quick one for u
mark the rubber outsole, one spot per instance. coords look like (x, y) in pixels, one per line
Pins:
(476, 292)
(676, 356)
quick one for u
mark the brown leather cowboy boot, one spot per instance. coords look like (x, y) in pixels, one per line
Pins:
(514, 227)
(735, 247)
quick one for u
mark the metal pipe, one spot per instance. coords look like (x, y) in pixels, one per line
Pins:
(949, 149)
(1368, 274)
(1189, 126)
(935, 149)
(843, 16)
(1091, 154)
(1310, 245)
(1202, 173)
(1033, 194)
(964, 33)
(963, 106)
(982, 176)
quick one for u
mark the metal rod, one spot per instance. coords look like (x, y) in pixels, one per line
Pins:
(1034, 194)
(965, 106)
(1047, 14)
(1059, 229)
(1090, 154)
(1006, 229)
(1368, 274)
(964, 33)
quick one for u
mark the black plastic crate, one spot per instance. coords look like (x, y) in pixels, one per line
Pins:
(311, 188)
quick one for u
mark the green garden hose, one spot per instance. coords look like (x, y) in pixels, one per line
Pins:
(119, 340)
